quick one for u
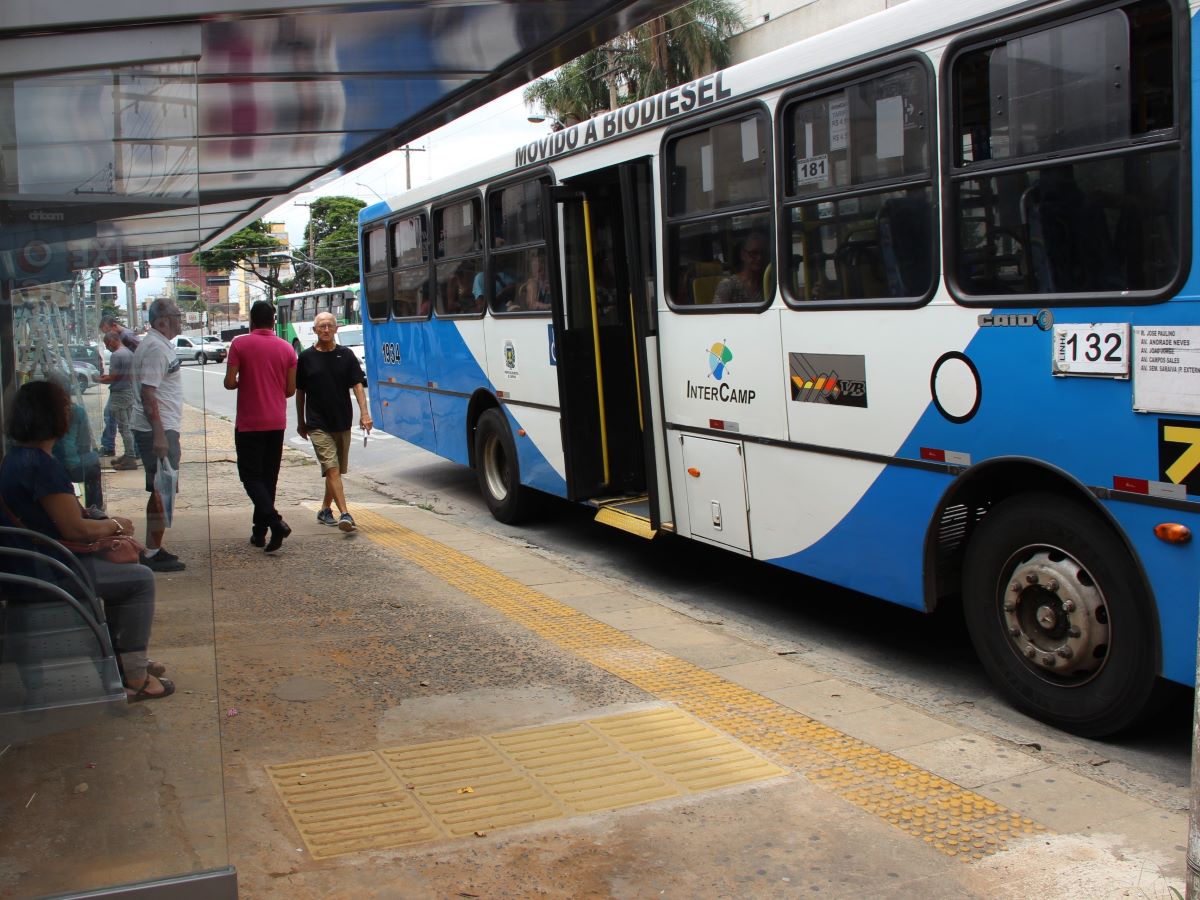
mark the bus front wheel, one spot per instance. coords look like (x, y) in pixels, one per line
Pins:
(1059, 616)
(497, 468)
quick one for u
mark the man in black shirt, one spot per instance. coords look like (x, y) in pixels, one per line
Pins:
(324, 374)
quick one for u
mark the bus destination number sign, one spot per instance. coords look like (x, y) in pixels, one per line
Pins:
(1099, 348)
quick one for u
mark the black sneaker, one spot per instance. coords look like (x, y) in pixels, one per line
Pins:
(346, 523)
(325, 517)
(278, 533)
(258, 538)
(163, 561)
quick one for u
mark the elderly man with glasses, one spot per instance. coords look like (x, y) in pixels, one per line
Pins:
(324, 376)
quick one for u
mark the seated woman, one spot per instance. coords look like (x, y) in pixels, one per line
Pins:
(79, 457)
(746, 284)
(37, 494)
(534, 292)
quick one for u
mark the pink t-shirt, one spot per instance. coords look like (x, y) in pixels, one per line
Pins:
(263, 361)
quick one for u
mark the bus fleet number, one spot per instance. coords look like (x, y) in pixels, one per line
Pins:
(391, 354)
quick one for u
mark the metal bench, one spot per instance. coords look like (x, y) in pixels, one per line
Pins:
(58, 670)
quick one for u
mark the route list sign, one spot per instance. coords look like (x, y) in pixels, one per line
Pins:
(1167, 369)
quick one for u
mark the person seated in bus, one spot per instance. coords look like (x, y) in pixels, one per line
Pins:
(534, 292)
(460, 296)
(504, 286)
(745, 285)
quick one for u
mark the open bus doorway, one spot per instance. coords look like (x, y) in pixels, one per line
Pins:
(601, 322)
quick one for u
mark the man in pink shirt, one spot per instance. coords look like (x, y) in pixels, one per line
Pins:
(262, 369)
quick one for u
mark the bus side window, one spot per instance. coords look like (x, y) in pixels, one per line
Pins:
(410, 296)
(459, 258)
(1107, 221)
(375, 267)
(870, 140)
(720, 237)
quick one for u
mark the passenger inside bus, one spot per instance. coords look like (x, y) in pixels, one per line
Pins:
(746, 284)
(534, 292)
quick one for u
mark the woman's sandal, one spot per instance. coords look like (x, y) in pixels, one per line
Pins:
(142, 694)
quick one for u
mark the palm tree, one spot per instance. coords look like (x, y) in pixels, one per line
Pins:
(682, 45)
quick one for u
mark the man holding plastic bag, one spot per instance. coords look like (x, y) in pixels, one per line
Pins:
(157, 420)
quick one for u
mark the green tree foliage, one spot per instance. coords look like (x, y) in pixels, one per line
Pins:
(333, 228)
(685, 44)
(242, 250)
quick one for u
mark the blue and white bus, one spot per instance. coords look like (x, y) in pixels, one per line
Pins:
(907, 306)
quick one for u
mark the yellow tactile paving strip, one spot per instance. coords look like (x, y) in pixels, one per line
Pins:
(408, 795)
(955, 820)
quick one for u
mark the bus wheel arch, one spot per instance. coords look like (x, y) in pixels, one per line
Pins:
(1054, 598)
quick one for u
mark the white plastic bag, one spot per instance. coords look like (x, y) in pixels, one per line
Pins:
(166, 482)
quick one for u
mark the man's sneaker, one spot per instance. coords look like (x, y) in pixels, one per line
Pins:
(125, 462)
(346, 522)
(104, 452)
(325, 517)
(163, 561)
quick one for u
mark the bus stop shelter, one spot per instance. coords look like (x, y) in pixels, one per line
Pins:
(140, 129)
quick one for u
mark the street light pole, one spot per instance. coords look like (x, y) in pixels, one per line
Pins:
(307, 262)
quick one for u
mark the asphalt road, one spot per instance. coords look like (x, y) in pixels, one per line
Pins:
(926, 661)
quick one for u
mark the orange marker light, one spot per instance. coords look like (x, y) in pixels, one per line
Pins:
(521, 432)
(1173, 533)
(694, 472)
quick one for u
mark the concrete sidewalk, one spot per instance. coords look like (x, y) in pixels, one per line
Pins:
(422, 710)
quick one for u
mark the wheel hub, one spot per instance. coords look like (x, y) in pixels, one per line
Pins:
(1055, 615)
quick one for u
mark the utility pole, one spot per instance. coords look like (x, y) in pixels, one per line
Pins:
(312, 250)
(406, 150)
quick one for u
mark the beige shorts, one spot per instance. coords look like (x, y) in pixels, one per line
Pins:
(333, 449)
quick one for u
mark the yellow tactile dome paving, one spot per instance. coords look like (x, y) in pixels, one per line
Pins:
(446, 789)
(953, 819)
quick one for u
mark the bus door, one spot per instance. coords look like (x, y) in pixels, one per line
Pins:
(602, 307)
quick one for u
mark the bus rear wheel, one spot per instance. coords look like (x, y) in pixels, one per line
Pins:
(1059, 616)
(497, 468)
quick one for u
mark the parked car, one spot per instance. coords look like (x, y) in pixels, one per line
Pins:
(212, 344)
(195, 348)
(84, 374)
(88, 353)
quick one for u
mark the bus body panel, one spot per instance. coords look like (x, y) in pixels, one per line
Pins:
(455, 363)
(872, 548)
(397, 352)
(723, 369)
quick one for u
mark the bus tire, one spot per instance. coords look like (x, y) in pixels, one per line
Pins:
(498, 470)
(1060, 616)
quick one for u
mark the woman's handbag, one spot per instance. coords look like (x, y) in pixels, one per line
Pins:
(116, 548)
(120, 548)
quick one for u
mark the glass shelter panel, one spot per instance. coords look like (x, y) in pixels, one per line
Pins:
(110, 778)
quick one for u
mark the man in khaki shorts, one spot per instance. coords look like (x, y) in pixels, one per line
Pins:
(325, 373)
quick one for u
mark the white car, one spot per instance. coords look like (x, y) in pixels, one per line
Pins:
(198, 349)
(352, 336)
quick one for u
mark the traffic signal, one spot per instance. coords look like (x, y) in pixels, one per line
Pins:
(144, 269)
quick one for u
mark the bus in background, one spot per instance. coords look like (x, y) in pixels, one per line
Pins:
(294, 313)
(907, 307)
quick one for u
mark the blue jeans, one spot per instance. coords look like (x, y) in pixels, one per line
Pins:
(108, 438)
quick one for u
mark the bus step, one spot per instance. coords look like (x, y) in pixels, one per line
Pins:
(631, 515)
